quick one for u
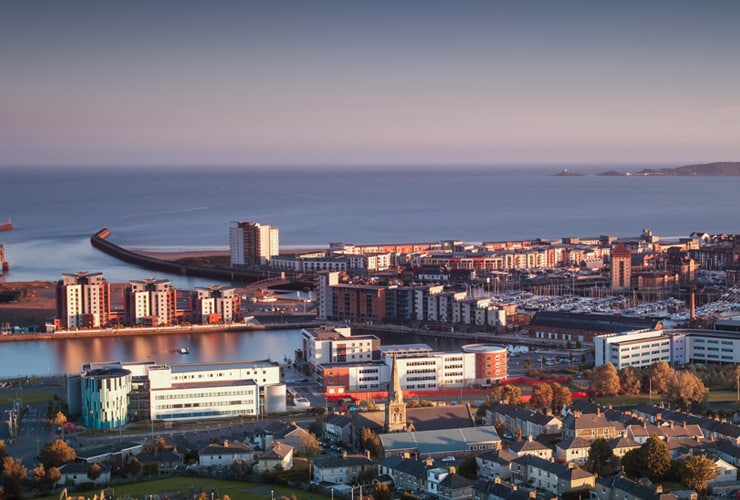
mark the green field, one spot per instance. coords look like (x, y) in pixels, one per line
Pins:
(236, 490)
(714, 397)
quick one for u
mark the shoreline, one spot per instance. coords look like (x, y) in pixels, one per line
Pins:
(162, 330)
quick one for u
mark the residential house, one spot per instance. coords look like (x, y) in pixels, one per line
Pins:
(279, 457)
(726, 472)
(495, 463)
(591, 426)
(453, 486)
(288, 433)
(532, 447)
(620, 488)
(338, 429)
(574, 449)
(406, 474)
(166, 460)
(527, 421)
(728, 451)
(223, 455)
(76, 473)
(496, 489)
(340, 470)
(622, 445)
(550, 476)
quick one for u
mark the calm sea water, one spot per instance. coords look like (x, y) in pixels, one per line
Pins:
(56, 211)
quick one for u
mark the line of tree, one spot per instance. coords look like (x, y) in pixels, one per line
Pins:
(681, 388)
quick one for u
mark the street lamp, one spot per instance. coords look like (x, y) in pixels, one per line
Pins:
(272, 494)
(332, 494)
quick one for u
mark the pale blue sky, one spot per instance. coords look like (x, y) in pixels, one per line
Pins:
(376, 82)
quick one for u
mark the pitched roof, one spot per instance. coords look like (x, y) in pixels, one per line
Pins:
(333, 462)
(573, 443)
(607, 323)
(338, 420)
(80, 467)
(456, 481)
(278, 451)
(440, 441)
(628, 486)
(521, 414)
(622, 442)
(527, 445)
(228, 448)
(561, 471)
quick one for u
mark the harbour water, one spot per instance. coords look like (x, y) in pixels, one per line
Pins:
(58, 357)
(56, 211)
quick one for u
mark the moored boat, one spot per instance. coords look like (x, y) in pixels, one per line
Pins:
(7, 226)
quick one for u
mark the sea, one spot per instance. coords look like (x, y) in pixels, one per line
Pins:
(56, 210)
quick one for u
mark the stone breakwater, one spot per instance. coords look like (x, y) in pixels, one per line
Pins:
(99, 240)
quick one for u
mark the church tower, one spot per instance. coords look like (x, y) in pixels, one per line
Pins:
(395, 408)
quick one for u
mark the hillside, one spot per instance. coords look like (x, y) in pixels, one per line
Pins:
(718, 169)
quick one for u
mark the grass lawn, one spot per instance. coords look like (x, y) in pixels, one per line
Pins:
(714, 397)
(237, 490)
(32, 396)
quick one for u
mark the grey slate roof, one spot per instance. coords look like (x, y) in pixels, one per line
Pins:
(606, 323)
(333, 462)
(440, 441)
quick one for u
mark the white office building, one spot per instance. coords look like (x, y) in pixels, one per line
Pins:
(638, 349)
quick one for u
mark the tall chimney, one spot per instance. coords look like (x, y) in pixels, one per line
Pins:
(693, 305)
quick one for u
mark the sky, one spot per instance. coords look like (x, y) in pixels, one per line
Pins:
(369, 82)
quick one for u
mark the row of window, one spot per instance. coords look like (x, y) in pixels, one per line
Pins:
(216, 394)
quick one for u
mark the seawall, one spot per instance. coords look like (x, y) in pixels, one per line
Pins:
(99, 240)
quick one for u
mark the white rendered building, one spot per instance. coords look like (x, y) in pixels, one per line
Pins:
(252, 243)
(209, 390)
(151, 302)
(639, 348)
(83, 300)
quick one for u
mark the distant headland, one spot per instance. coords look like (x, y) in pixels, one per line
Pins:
(717, 169)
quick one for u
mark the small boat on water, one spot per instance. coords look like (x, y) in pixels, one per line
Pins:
(183, 350)
(7, 226)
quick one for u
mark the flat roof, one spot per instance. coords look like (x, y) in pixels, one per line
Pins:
(223, 365)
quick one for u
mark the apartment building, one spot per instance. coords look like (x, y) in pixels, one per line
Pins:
(150, 302)
(252, 243)
(82, 300)
(215, 304)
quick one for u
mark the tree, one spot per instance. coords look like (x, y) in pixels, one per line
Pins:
(94, 472)
(527, 363)
(382, 492)
(600, 456)
(541, 396)
(633, 462)
(44, 479)
(561, 397)
(59, 420)
(151, 469)
(697, 471)
(606, 380)
(657, 457)
(508, 394)
(310, 445)
(500, 427)
(3, 451)
(629, 380)
(371, 442)
(134, 467)
(15, 473)
(468, 468)
(685, 390)
(659, 374)
(56, 453)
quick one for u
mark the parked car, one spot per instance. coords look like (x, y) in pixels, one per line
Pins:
(449, 459)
